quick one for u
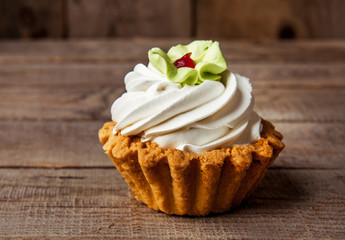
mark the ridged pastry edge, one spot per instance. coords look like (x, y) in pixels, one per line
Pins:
(182, 183)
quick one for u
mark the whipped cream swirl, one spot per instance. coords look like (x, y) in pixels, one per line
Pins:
(195, 119)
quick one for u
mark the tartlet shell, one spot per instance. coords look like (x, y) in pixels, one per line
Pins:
(182, 183)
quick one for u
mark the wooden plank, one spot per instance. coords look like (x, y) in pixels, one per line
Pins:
(316, 105)
(312, 145)
(75, 144)
(28, 19)
(129, 18)
(262, 75)
(270, 19)
(177, 18)
(68, 74)
(51, 144)
(60, 102)
(292, 75)
(94, 102)
(136, 50)
(95, 203)
(55, 181)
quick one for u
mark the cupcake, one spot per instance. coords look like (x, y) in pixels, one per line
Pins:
(185, 137)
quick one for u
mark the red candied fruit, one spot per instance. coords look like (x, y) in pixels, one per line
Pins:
(185, 61)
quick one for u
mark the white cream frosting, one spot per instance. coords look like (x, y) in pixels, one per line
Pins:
(191, 118)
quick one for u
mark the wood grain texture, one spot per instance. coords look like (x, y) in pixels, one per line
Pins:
(94, 203)
(94, 102)
(270, 19)
(62, 144)
(52, 144)
(262, 75)
(135, 50)
(27, 19)
(62, 102)
(300, 104)
(312, 145)
(56, 182)
(129, 18)
(227, 19)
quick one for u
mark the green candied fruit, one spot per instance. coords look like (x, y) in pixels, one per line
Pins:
(206, 56)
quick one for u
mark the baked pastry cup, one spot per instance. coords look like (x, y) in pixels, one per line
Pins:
(182, 183)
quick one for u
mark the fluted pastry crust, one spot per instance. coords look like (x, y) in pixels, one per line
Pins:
(182, 183)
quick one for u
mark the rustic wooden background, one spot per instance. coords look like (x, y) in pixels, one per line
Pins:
(252, 19)
(57, 183)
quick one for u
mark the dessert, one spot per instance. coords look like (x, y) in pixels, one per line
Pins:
(185, 137)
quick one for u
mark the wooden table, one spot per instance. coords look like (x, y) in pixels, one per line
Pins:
(56, 182)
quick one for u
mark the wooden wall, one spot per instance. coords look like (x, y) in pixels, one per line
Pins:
(253, 19)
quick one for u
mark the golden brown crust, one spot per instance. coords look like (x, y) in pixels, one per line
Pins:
(182, 183)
